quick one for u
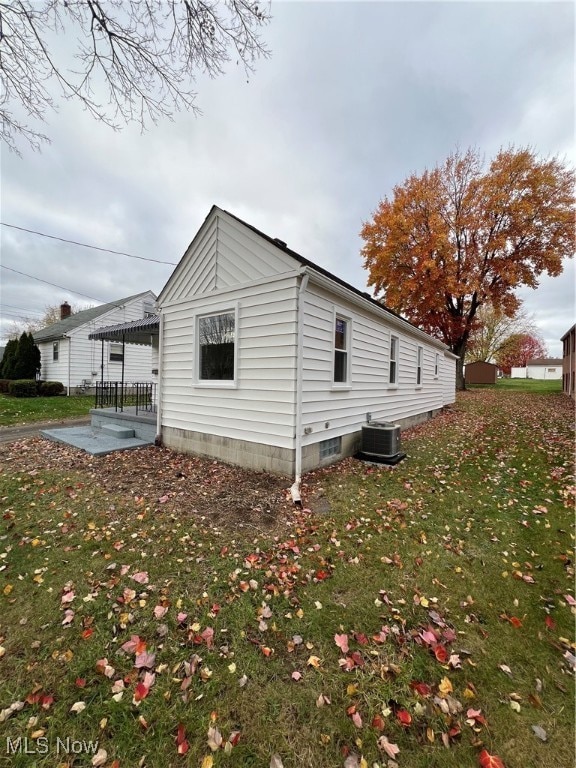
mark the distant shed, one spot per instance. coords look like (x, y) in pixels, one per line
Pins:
(480, 372)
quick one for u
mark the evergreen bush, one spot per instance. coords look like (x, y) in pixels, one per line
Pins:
(22, 388)
(50, 388)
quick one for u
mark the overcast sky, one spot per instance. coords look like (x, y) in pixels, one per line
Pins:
(355, 97)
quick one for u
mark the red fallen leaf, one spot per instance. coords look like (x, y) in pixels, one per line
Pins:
(208, 636)
(234, 738)
(46, 701)
(321, 575)
(181, 742)
(378, 722)
(515, 622)
(215, 610)
(404, 717)
(550, 623)
(253, 558)
(87, 633)
(342, 642)
(490, 761)
(141, 692)
(81, 682)
(441, 654)
(454, 732)
(422, 688)
(361, 638)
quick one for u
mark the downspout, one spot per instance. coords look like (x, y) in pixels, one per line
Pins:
(295, 489)
(69, 359)
(158, 439)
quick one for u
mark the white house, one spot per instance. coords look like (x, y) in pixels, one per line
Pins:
(69, 356)
(543, 368)
(270, 362)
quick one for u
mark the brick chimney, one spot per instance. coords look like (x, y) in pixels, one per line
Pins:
(65, 310)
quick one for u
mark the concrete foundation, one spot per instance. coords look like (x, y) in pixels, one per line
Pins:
(269, 458)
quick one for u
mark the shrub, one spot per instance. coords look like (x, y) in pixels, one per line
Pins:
(50, 388)
(22, 388)
(4, 386)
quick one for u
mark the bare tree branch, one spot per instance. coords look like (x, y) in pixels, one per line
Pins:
(135, 60)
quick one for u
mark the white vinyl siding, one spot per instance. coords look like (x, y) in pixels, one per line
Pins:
(329, 412)
(86, 354)
(261, 407)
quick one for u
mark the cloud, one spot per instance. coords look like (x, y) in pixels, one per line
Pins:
(355, 97)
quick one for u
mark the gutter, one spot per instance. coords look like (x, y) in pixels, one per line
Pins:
(295, 489)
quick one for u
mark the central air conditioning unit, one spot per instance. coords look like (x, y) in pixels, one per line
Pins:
(381, 443)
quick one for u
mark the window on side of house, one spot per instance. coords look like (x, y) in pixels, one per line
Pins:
(341, 351)
(216, 347)
(55, 350)
(419, 355)
(393, 362)
(116, 353)
(436, 365)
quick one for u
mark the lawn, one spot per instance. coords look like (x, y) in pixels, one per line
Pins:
(523, 385)
(162, 610)
(24, 410)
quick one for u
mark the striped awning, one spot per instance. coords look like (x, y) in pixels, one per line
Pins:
(134, 332)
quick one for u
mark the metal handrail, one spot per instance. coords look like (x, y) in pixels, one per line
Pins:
(118, 395)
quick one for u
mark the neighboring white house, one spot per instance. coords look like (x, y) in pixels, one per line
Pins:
(269, 361)
(542, 368)
(69, 356)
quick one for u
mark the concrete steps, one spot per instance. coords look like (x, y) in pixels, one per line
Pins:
(114, 430)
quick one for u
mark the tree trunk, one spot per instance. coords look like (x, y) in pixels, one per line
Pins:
(459, 349)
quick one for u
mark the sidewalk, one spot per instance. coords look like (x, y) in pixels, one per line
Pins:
(19, 432)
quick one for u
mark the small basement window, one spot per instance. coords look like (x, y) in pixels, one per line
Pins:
(330, 447)
(116, 353)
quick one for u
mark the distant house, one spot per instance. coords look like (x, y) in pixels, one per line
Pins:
(480, 372)
(569, 362)
(544, 368)
(271, 362)
(69, 356)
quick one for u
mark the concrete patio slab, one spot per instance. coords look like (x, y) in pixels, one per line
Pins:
(94, 441)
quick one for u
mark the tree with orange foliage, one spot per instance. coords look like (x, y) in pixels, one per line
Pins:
(457, 237)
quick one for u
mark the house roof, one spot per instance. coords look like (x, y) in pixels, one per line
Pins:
(311, 265)
(62, 327)
(568, 332)
(481, 362)
(138, 330)
(545, 361)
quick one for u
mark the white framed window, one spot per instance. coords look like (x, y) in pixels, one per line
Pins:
(341, 372)
(216, 348)
(55, 350)
(393, 361)
(436, 365)
(419, 356)
(116, 353)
